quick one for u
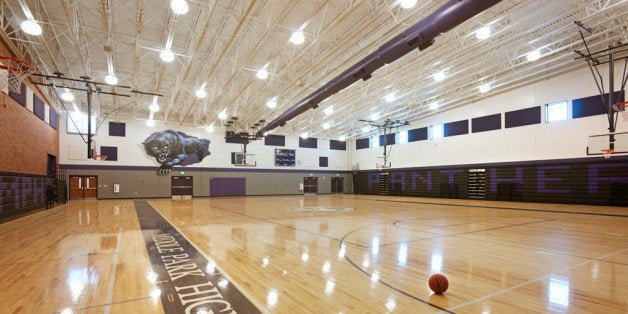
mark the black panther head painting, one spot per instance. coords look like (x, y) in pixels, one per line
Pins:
(172, 148)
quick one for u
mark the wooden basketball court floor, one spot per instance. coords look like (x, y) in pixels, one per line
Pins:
(324, 254)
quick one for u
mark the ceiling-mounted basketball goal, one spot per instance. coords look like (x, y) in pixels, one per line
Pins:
(614, 102)
(385, 129)
(13, 72)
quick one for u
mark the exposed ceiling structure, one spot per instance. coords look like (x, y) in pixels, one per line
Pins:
(221, 45)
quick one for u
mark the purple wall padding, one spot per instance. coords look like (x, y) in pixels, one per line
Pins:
(39, 107)
(308, 142)
(54, 118)
(19, 97)
(523, 117)
(486, 123)
(419, 134)
(390, 139)
(456, 128)
(337, 145)
(110, 151)
(227, 186)
(362, 143)
(275, 140)
(591, 106)
(323, 161)
(117, 129)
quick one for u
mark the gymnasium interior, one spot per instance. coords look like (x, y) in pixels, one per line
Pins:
(325, 156)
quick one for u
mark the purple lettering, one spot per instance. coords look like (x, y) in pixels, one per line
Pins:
(398, 177)
(451, 174)
(595, 179)
(517, 179)
(427, 180)
(542, 179)
(373, 178)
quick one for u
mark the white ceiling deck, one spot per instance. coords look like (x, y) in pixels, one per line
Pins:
(223, 44)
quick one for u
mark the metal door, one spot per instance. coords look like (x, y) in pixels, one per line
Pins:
(310, 185)
(82, 187)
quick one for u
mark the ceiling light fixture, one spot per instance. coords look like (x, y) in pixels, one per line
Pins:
(434, 105)
(262, 73)
(67, 96)
(390, 97)
(297, 37)
(200, 92)
(374, 116)
(484, 88)
(210, 128)
(166, 55)
(150, 122)
(154, 107)
(483, 33)
(111, 79)
(222, 115)
(366, 129)
(326, 125)
(439, 76)
(533, 55)
(31, 27)
(179, 6)
(272, 103)
(304, 135)
(329, 110)
(407, 4)
(342, 138)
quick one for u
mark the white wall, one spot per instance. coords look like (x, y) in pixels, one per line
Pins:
(131, 151)
(565, 139)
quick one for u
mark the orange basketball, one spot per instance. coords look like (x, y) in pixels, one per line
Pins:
(438, 283)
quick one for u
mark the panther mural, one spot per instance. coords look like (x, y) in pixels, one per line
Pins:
(172, 148)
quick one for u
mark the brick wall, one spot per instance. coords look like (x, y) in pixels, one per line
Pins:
(25, 143)
(25, 140)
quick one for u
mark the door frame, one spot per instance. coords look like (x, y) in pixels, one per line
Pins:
(82, 186)
(308, 185)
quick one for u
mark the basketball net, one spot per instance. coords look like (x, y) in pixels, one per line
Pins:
(621, 108)
(13, 71)
(607, 153)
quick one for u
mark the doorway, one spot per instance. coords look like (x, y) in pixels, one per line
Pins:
(181, 185)
(82, 187)
(337, 185)
(52, 166)
(310, 185)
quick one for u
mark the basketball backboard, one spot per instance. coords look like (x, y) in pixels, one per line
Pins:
(245, 160)
(383, 163)
(599, 144)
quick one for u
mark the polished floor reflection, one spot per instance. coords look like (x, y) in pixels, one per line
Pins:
(499, 257)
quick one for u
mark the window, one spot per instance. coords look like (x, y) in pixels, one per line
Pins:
(403, 137)
(556, 111)
(77, 123)
(375, 141)
(436, 131)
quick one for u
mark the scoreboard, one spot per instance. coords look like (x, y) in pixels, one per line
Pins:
(285, 157)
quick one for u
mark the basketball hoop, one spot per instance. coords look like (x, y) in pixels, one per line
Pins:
(100, 157)
(621, 107)
(13, 71)
(607, 152)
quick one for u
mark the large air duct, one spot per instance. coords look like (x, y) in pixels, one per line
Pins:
(421, 35)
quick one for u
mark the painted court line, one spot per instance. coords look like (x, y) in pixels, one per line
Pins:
(488, 296)
(187, 281)
(112, 278)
